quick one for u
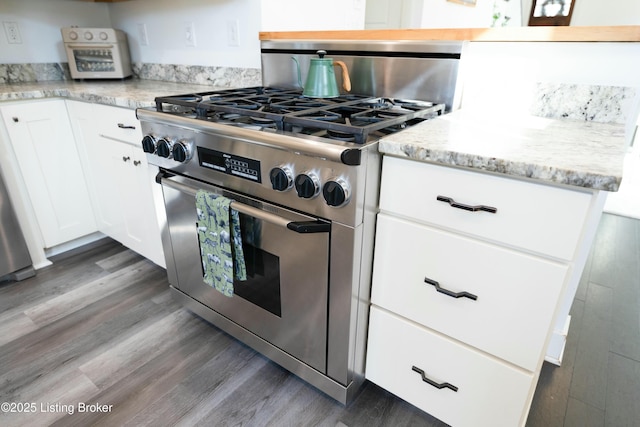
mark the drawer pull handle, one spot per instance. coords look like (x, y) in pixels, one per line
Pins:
(463, 294)
(432, 382)
(475, 208)
(123, 126)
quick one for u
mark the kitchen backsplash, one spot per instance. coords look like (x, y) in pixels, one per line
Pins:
(195, 74)
(604, 104)
(27, 73)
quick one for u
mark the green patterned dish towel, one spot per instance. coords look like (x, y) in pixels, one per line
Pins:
(220, 242)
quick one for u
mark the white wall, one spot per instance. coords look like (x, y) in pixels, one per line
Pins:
(445, 14)
(311, 15)
(502, 76)
(165, 23)
(597, 12)
(440, 14)
(39, 22)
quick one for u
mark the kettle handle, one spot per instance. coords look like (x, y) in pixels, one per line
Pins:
(346, 81)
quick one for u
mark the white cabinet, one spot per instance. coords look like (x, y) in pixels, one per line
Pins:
(43, 143)
(118, 173)
(470, 273)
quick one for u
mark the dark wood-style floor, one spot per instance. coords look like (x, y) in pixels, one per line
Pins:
(99, 326)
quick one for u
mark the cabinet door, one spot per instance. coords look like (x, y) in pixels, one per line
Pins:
(98, 164)
(541, 218)
(140, 225)
(44, 145)
(510, 297)
(486, 392)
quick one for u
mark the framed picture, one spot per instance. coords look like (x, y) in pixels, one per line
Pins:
(551, 12)
(464, 2)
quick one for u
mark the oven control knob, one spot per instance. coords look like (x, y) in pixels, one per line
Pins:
(149, 144)
(163, 148)
(103, 36)
(307, 185)
(88, 35)
(336, 192)
(281, 178)
(181, 151)
(73, 35)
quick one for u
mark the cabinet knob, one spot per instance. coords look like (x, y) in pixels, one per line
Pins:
(15, 119)
(126, 158)
(136, 162)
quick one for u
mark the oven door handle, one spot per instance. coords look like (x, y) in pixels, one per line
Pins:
(303, 227)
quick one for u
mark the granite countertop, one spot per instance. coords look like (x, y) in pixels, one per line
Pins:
(560, 151)
(131, 93)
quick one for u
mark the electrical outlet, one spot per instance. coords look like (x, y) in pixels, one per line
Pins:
(190, 34)
(13, 32)
(142, 35)
(233, 33)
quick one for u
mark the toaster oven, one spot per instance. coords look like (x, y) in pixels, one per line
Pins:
(97, 53)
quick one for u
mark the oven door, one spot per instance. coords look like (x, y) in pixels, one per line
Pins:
(285, 297)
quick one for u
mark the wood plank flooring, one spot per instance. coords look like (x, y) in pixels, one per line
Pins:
(99, 326)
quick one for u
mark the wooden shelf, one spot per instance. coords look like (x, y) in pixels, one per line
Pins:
(504, 34)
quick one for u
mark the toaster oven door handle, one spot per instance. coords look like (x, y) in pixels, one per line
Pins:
(90, 46)
(299, 227)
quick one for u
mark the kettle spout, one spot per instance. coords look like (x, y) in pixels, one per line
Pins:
(346, 81)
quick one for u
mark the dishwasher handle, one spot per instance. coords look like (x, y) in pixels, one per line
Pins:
(303, 227)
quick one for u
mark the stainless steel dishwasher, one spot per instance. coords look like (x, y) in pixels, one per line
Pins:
(15, 262)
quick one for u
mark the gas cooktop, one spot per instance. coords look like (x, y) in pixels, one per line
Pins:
(350, 118)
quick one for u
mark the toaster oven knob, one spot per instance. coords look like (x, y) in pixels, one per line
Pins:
(336, 192)
(163, 148)
(281, 178)
(103, 36)
(88, 35)
(73, 35)
(181, 151)
(307, 185)
(149, 144)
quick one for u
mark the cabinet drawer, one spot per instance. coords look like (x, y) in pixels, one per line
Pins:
(516, 293)
(489, 393)
(118, 123)
(537, 217)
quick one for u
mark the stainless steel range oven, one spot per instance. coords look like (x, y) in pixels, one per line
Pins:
(301, 177)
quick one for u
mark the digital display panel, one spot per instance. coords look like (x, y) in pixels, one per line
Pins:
(230, 164)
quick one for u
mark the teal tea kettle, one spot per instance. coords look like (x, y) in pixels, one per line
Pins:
(321, 79)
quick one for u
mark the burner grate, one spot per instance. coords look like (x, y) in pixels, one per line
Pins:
(352, 118)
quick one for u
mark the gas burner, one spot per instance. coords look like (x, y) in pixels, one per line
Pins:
(341, 136)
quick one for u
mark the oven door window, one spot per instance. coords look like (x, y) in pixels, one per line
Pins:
(262, 286)
(94, 60)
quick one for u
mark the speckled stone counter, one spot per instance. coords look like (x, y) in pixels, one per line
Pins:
(122, 93)
(559, 151)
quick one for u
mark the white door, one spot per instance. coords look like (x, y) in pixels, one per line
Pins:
(45, 148)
